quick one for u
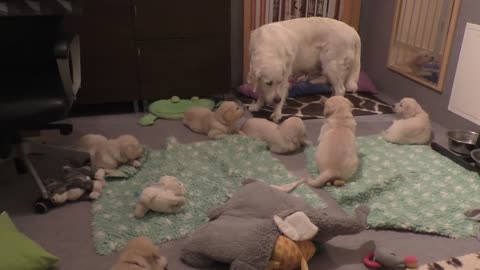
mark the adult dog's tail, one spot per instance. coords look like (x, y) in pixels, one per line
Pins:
(352, 79)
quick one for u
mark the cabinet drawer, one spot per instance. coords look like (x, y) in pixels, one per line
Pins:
(109, 72)
(184, 67)
(181, 19)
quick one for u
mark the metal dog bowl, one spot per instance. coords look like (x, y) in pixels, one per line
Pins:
(475, 154)
(462, 141)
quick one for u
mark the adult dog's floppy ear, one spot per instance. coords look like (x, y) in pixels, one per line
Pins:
(253, 77)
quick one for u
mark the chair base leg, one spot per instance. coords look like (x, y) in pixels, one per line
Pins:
(23, 162)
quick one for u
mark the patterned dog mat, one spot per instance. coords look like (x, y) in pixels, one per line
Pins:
(409, 187)
(310, 107)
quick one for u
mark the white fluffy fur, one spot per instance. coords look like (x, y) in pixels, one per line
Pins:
(166, 196)
(109, 154)
(413, 127)
(284, 138)
(140, 254)
(336, 154)
(301, 46)
(215, 124)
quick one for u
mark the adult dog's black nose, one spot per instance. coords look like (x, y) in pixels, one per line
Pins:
(277, 99)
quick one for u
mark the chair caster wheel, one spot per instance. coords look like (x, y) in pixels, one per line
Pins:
(42, 206)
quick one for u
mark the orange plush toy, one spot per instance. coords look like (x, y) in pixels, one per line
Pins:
(290, 255)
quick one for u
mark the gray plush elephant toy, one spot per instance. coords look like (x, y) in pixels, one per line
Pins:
(242, 232)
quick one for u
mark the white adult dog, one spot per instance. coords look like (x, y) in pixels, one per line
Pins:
(336, 154)
(413, 127)
(302, 46)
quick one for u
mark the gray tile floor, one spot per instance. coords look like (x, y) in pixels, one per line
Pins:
(66, 232)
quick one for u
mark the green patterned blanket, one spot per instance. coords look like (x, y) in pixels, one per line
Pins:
(210, 171)
(409, 188)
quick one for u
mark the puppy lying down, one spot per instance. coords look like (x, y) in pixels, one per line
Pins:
(109, 154)
(413, 125)
(284, 138)
(336, 154)
(215, 124)
(140, 254)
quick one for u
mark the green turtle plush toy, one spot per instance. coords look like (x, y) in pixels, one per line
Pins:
(172, 108)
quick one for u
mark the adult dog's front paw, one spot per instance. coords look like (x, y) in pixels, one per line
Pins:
(276, 117)
(255, 108)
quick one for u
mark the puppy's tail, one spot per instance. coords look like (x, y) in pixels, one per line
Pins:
(322, 179)
(352, 80)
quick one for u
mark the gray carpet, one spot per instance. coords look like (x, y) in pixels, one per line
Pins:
(65, 231)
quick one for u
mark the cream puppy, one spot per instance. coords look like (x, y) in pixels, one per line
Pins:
(413, 125)
(125, 149)
(215, 124)
(140, 254)
(284, 138)
(90, 142)
(336, 154)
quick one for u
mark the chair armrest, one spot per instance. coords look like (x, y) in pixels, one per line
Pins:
(62, 45)
(67, 53)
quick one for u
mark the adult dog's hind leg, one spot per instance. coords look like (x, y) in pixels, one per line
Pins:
(336, 75)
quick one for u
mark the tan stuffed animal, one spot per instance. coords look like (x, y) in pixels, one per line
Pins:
(166, 196)
(215, 124)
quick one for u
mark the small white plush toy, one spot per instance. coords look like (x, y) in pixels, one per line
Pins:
(167, 196)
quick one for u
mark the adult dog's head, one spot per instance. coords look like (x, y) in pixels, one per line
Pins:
(141, 253)
(270, 76)
(407, 108)
(337, 106)
(229, 113)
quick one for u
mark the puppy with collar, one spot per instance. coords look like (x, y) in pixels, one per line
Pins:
(140, 254)
(336, 154)
(413, 125)
(215, 124)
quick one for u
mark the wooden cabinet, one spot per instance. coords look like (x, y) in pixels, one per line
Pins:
(183, 67)
(181, 19)
(150, 49)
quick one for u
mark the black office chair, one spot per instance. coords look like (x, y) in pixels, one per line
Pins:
(39, 77)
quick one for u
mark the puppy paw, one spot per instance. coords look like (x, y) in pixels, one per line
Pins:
(136, 164)
(255, 108)
(94, 195)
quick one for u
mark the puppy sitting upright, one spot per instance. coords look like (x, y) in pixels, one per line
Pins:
(413, 127)
(284, 138)
(215, 124)
(336, 154)
(140, 254)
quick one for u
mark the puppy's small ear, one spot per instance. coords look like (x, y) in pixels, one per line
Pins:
(329, 109)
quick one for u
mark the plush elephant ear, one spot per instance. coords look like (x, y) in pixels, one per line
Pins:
(296, 226)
